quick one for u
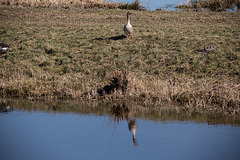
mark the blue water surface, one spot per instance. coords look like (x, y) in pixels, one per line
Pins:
(155, 4)
(39, 135)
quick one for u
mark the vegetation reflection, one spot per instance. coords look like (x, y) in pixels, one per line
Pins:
(118, 111)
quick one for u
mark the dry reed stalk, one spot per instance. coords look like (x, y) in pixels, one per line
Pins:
(185, 91)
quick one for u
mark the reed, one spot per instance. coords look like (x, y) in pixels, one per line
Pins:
(133, 6)
(212, 5)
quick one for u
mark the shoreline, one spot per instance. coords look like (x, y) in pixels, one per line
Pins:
(118, 111)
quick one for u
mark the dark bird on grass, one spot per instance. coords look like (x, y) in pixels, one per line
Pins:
(128, 28)
(4, 48)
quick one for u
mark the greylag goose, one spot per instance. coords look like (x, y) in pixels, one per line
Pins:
(4, 48)
(128, 28)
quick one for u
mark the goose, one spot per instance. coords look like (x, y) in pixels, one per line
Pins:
(128, 28)
(4, 48)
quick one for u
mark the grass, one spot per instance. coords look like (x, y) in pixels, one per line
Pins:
(60, 3)
(69, 54)
(72, 4)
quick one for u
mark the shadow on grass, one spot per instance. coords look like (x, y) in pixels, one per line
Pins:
(115, 38)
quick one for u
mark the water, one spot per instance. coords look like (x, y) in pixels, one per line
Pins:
(155, 4)
(163, 4)
(80, 131)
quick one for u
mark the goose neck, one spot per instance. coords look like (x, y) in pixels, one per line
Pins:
(128, 19)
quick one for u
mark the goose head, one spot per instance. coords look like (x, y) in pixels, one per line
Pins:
(129, 13)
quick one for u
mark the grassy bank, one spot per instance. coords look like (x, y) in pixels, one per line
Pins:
(80, 53)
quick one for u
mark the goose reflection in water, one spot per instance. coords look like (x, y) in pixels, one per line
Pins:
(122, 112)
(132, 126)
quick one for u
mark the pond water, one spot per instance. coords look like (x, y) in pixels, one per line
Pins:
(164, 4)
(87, 131)
(155, 4)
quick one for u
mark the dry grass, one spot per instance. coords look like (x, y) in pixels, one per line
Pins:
(69, 54)
(60, 3)
(71, 3)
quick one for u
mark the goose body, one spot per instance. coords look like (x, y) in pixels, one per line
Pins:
(128, 28)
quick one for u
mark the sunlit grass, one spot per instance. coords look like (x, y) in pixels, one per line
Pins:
(60, 3)
(67, 54)
(72, 4)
